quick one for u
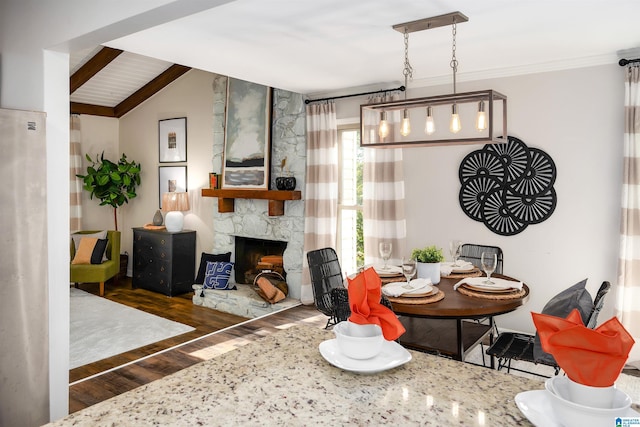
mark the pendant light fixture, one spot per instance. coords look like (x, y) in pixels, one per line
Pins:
(430, 124)
(454, 123)
(481, 117)
(405, 127)
(488, 107)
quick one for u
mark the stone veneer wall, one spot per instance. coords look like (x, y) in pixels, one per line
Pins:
(251, 218)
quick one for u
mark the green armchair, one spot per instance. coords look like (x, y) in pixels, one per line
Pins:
(98, 273)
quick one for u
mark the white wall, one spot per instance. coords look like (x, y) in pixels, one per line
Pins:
(190, 96)
(98, 134)
(576, 116)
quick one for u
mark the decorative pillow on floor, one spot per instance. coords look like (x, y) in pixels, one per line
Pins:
(217, 276)
(76, 237)
(204, 258)
(561, 305)
(90, 251)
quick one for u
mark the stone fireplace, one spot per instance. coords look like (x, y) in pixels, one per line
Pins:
(250, 218)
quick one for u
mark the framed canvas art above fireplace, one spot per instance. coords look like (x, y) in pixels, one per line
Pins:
(247, 143)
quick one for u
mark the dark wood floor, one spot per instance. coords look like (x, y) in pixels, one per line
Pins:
(104, 379)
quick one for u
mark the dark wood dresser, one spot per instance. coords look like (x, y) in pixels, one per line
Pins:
(164, 262)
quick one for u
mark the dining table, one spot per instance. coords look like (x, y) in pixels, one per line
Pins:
(284, 379)
(458, 320)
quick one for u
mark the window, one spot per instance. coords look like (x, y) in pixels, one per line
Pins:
(350, 236)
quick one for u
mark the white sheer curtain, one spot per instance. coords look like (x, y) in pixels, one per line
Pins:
(75, 167)
(383, 195)
(321, 191)
(628, 295)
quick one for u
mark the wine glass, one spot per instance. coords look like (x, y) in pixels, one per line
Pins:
(408, 269)
(489, 261)
(385, 252)
(455, 246)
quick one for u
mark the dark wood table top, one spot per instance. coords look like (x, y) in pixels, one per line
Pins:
(458, 306)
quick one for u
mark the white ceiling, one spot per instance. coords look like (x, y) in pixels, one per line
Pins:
(329, 47)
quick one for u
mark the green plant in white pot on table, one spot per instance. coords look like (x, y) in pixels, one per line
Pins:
(428, 262)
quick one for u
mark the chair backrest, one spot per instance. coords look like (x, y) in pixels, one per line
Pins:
(473, 253)
(598, 303)
(326, 274)
(113, 243)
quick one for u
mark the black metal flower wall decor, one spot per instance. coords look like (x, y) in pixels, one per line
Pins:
(508, 186)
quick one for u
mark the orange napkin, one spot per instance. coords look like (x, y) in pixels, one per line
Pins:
(592, 357)
(365, 291)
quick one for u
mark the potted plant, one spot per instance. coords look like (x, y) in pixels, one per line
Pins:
(428, 261)
(114, 184)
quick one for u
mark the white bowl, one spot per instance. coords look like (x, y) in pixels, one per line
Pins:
(572, 414)
(358, 341)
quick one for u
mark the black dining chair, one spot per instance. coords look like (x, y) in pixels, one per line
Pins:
(473, 253)
(327, 282)
(517, 346)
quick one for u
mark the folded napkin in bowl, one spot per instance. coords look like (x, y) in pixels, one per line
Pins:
(396, 289)
(497, 283)
(592, 357)
(365, 291)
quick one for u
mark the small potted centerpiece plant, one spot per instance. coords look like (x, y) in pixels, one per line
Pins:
(428, 261)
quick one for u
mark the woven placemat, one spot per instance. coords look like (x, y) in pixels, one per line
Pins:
(425, 300)
(488, 295)
(472, 273)
(392, 279)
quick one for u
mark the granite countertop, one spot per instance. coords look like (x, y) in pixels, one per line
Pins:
(283, 379)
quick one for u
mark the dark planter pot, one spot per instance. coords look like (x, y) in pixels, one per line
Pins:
(124, 261)
(286, 183)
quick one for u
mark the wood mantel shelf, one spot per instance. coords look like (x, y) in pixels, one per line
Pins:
(276, 198)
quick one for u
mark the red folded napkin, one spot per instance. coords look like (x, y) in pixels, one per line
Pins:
(592, 357)
(365, 291)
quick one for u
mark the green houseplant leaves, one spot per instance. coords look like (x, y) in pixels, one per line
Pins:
(114, 184)
(430, 254)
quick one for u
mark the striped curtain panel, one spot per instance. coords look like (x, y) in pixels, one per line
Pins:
(321, 191)
(75, 167)
(628, 295)
(383, 196)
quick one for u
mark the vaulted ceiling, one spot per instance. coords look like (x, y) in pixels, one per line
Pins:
(334, 47)
(109, 82)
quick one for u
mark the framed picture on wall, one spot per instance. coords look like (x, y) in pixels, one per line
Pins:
(171, 179)
(172, 140)
(247, 142)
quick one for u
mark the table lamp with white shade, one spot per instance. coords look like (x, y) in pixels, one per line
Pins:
(174, 203)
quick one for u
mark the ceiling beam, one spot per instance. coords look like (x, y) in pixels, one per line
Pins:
(92, 67)
(150, 89)
(92, 109)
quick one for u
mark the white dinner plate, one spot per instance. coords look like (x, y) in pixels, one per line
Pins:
(460, 268)
(490, 288)
(419, 287)
(390, 271)
(392, 355)
(536, 406)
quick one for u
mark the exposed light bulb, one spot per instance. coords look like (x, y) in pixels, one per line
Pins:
(383, 128)
(481, 118)
(405, 127)
(455, 125)
(430, 125)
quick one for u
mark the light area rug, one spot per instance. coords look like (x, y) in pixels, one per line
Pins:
(101, 328)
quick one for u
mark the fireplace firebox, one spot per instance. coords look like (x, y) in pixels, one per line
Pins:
(253, 256)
